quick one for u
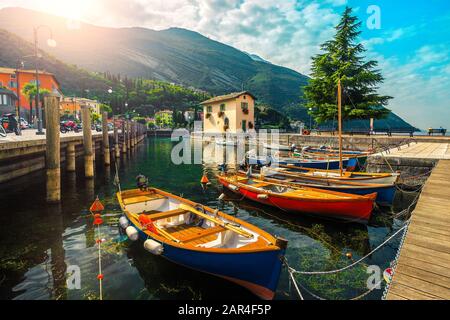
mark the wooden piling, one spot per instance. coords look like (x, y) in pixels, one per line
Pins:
(87, 142)
(70, 157)
(133, 134)
(53, 149)
(116, 140)
(124, 137)
(106, 152)
(128, 135)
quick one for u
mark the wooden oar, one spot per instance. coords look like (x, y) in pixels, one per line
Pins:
(163, 232)
(216, 221)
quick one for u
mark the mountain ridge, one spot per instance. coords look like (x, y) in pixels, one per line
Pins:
(174, 55)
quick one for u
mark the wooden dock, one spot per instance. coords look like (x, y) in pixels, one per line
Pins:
(423, 268)
(421, 150)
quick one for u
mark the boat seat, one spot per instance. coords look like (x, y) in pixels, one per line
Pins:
(201, 234)
(142, 198)
(166, 214)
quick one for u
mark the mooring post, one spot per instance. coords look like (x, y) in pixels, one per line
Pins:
(53, 149)
(116, 140)
(105, 134)
(134, 133)
(124, 137)
(87, 142)
(70, 157)
(128, 134)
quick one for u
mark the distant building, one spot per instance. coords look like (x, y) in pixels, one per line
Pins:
(9, 77)
(234, 112)
(72, 106)
(8, 100)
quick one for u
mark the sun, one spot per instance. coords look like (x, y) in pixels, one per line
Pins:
(70, 9)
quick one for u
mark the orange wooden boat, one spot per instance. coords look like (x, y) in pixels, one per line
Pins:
(302, 199)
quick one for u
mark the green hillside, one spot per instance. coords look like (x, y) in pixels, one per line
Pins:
(173, 55)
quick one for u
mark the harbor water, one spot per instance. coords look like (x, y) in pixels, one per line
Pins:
(43, 244)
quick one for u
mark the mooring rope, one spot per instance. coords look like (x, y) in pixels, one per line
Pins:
(100, 275)
(357, 261)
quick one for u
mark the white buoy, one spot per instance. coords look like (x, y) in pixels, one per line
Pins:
(262, 196)
(233, 187)
(153, 246)
(132, 233)
(123, 221)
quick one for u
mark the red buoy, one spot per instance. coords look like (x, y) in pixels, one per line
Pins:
(100, 277)
(98, 221)
(96, 206)
(204, 179)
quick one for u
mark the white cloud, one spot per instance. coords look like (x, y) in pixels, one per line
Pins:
(420, 86)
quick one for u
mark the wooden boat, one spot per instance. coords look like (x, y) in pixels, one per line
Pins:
(333, 152)
(346, 176)
(224, 142)
(274, 146)
(297, 162)
(385, 192)
(203, 239)
(301, 199)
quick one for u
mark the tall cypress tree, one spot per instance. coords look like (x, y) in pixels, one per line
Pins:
(342, 59)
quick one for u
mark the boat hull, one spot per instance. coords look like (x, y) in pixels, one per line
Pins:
(257, 271)
(347, 210)
(385, 193)
(313, 164)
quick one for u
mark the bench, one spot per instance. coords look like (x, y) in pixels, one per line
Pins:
(166, 214)
(390, 131)
(142, 198)
(202, 234)
(432, 131)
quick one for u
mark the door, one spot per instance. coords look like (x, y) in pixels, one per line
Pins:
(244, 125)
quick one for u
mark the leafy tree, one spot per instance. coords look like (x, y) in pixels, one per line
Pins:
(30, 90)
(342, 59)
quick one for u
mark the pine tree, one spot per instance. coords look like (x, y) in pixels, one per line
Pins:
(342, 59)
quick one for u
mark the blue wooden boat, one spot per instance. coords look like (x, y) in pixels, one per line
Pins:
(330, 164)
(200, 238)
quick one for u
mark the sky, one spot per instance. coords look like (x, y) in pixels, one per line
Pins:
(409, 39)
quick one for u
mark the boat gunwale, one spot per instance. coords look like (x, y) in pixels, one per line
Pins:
(270, 239)
(334, 183)
(345, 197)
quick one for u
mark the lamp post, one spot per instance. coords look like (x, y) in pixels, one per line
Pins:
(51, 43)
(310, 119)
(18, 67)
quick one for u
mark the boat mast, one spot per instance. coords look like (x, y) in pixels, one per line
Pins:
(340, 125)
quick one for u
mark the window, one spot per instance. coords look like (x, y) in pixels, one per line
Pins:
(34, 81)
(4, 100)
(245, 97)
(244, 107)
(222, 107)
(13, 84)
(209, 109)
(13, 76)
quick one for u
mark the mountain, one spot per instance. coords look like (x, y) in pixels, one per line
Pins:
(174, 55)
(72, 79)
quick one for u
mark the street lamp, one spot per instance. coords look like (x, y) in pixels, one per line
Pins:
(51, 43)
(310, 119)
